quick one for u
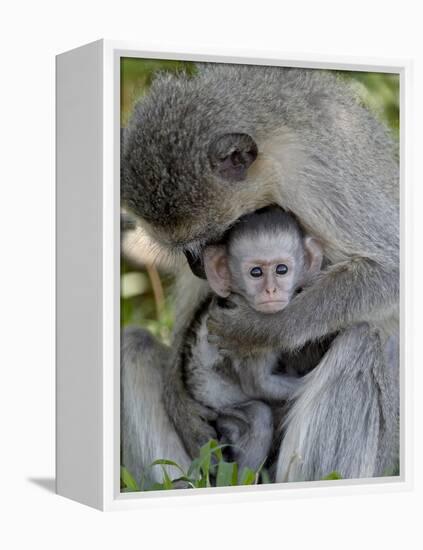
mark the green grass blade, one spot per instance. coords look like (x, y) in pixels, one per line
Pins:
(165, 462)
(247, 477)
(264, 476)
(194, 469)
(332, 475)
(128, 480)
(227, 474)
(167, 483)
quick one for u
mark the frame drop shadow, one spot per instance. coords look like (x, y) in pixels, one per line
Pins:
(46, 483)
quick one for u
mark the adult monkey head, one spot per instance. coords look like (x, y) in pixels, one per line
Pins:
(193, 163)
(193, 204)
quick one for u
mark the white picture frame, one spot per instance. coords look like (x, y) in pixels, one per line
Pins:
(88, 276)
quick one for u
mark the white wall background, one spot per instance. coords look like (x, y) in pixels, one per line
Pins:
(31, 34)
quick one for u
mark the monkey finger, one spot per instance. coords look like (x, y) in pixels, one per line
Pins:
(223, 348)
(206, 413)
(201, 437)
(216, 326)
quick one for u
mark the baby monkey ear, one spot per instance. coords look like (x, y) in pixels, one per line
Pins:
(313, 256)
(231, 155)
(215, 261)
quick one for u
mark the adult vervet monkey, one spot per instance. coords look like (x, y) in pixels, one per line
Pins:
(201, 152)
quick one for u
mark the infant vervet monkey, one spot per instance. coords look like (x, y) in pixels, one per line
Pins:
(265, 259)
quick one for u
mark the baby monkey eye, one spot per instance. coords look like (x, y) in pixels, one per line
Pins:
(281, 269)
(256, 272)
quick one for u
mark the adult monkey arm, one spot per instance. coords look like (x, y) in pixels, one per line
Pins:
(352, 208)
(345, 194)
(346, 294)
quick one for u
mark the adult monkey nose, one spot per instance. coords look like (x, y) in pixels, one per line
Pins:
(195, 263)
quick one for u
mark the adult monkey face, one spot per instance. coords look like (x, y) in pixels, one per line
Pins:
(185, 175)
(187, 209)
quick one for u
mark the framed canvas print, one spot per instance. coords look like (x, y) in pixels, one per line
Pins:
(230, 275)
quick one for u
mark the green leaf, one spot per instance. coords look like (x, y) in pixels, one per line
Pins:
(227, 474)
(201, 483)
(206, 466)
(264, 476)
(205, 460)
(390, 472)
(247, 477)
(162, 461)
(216, 448)
(194, 469)
(167, 483)
(128, 480)
(332, 475)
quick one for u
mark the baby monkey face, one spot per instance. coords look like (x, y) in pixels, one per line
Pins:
(265, 262)
(268, 282)
(265, 270)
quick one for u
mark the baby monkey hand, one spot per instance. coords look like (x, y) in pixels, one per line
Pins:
(230, 325)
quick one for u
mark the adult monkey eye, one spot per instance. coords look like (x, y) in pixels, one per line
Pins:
(256, 272)
(281, 269)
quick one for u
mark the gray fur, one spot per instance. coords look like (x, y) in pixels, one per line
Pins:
(267, 221)
(358, 440)
(324, 158)
(237, 389)
(248, 429)
(146, 438)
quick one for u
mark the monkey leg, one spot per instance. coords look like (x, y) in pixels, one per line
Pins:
(146, 431)
(345, 416)
(248, 428)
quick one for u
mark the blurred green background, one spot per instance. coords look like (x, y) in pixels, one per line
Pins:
(145, 297)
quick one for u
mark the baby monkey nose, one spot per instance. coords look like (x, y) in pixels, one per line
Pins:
(271, 290)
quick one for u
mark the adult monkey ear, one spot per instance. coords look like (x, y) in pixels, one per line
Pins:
(313, 257)
(215, 260)
(231, 155)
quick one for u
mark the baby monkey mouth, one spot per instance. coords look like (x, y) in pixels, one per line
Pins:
(271, 306)
(272, 302)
